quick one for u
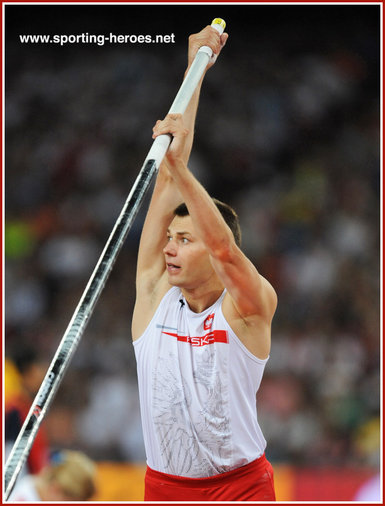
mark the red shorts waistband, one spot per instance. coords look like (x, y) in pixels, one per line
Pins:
(255, 466)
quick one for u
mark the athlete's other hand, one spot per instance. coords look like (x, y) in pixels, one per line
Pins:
(210, 37)
(173, 125)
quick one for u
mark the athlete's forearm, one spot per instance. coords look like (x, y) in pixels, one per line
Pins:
(208, 221)
(189, 119)
(165, 199)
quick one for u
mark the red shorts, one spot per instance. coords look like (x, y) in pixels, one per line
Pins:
(252, 482)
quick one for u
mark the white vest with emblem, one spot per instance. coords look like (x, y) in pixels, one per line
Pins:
(197, 389)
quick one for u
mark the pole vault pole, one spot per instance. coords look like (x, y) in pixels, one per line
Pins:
(95, 285)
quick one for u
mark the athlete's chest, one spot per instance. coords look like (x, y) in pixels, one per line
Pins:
(181, 326)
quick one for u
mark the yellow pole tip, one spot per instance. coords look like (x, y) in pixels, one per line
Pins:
(219, 21)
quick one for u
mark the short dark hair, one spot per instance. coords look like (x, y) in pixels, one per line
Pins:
(227, 212)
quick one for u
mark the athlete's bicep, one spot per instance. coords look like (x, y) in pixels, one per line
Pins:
(251, 293)
(149, 293)
(153, 238)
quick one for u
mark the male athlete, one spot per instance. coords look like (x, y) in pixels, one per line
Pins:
(201, 330)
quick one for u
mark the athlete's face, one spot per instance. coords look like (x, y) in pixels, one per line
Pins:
(187, 260)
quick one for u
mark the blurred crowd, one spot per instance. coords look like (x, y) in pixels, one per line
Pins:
(290, 138)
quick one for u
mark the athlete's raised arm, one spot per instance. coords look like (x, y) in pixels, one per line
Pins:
(252, 300)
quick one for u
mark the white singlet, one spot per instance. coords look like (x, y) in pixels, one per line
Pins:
(197, 389)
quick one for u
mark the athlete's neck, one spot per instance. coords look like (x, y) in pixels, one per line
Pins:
(199, 300)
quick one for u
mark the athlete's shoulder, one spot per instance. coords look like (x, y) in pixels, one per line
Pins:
(146, 307)
(172, 293)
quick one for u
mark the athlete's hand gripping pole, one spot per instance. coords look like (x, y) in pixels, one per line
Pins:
(95, 285)
(182, 99)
